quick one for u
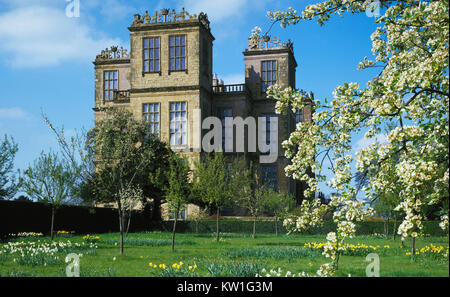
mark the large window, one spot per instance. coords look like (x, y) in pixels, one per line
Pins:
(151, 115)
(178, 123)
(270, 127)
(151, 54)
(110, 84)
(269, 176)
(298, 116)
(268, 74)
(225, 113)
(177, 53)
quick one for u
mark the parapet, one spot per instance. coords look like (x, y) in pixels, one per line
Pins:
(166, 16)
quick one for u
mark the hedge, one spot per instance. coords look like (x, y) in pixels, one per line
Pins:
(268, 227)
(20, 216)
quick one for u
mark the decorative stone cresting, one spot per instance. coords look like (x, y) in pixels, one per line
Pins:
(113, 53)
(266, 42)
(169, 16)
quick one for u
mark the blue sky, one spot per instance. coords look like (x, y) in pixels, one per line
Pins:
(46, 57)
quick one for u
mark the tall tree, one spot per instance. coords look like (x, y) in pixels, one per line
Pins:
(411, 51)
(50, 180)
(8, 186)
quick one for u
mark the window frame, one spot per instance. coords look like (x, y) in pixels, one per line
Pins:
(185, 57)
(221, 115)
(149, 50)
(271, 170)
(265, 83)
(148, 112)
(181, 122)
(111, 99)
(269, 128)
(298, 116)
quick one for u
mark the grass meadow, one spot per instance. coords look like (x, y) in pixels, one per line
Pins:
(149, 254)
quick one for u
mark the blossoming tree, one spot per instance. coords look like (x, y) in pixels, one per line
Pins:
(410, 47)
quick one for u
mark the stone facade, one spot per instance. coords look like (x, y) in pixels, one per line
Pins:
(194, 83)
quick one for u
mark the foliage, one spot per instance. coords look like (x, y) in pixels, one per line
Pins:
(278, 204)
(212, 181)
(50, 180)
(8, 150)
(178, 189)
(411, 90)
(212, 184)
(126, 154)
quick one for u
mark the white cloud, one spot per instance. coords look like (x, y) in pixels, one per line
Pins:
(365, 142)
(14, 113)
(35, 36)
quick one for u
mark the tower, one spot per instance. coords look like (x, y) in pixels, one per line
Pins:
(166, 79)
(269, 61)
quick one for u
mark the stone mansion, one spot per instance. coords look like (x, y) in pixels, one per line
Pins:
(168, 73)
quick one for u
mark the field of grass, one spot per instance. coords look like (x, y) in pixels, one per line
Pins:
(201, 255)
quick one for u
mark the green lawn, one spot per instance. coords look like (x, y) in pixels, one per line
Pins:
(234, 255)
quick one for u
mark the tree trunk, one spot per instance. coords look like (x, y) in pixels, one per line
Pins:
(217, 224)
(386, 228)
(413, 246)
(196, 226)
(254, 227)
(128, 224)
(395, 229)
(53, 221)
(121, 227)
(276, 226)
(174, 230)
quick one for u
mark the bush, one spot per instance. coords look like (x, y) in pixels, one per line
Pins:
(268, 227)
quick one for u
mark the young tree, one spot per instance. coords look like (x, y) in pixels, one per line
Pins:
(212, 184)
(251, 194)
(49, 180)
(278, 205)
(130, 197)
(126, 153)
(8, 186)
(178, 189)
(412, 90)
(201, 215)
